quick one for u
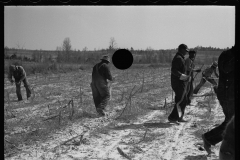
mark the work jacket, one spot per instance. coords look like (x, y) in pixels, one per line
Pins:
(101, 73)
(18, 73)
(177, 69)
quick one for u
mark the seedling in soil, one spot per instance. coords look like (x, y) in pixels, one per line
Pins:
(129, 100)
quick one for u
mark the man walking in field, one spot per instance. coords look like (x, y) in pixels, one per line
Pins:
(178, 82)
(189, 64)
(100, 89)
(225, 95)
(207, 76)
(19, 75)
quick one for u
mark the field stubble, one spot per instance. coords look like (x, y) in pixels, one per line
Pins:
(62, 100)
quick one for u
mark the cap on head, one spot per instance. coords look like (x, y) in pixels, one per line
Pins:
(192, 52)
(105, 58)
(183, 46)
(215, 64)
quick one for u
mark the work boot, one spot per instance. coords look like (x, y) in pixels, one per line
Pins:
(182, 120)
(100, 112)
(189, 103)
(206, 145)
(172, 120)
(28, 97)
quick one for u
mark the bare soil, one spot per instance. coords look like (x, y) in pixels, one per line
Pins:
(60, 120)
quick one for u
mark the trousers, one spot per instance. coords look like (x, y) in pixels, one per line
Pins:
(101, 95)
(178, 88)
(18, 89)
(214, 136)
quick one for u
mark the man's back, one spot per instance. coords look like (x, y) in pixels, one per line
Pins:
(101, 72)
(208, 71)
(178, 67)
(17, 72)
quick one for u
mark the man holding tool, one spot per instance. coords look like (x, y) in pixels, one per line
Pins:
(189, 65)
(207, 76)
(178, 83)
(19, 74)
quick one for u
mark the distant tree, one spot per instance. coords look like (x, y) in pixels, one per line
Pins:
(66, 48)
(85, 49)
(113, 43)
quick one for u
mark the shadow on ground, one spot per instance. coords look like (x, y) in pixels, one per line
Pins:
(154, 108)
(148, 125)
(197, 157)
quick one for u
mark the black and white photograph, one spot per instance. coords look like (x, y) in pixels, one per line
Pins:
(119, 82)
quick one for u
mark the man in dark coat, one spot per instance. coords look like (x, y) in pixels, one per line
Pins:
(189, 64)
(178, 82)
(100, 88)
(207, 76)
(19, 75)
(225, 95)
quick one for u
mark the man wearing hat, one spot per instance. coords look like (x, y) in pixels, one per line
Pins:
(100, 89)
(19, 75)
(226, 98)
(189, 64)
(178, 79)
(207, 76)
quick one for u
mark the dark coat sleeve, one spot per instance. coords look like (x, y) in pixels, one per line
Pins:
(226, 61)
(104, 69)
(177, 65)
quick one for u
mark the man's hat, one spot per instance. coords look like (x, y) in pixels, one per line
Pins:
(106, 58)
(215, 64)
(183, 46)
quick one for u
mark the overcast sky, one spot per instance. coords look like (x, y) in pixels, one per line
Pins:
(139, 27)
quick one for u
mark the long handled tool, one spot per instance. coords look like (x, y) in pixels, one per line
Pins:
(185, 90)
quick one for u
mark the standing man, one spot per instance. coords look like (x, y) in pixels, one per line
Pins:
(189, 64)
(225, 95)
(178, 82)
(207, 76)
(100, 89)
(19, 75)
